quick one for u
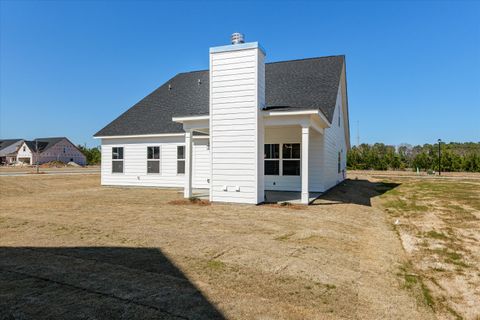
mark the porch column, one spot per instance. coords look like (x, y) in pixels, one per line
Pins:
(305, 138)
(188, 163)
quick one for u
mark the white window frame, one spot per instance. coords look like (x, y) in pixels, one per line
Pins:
(119, 160)
(153, 159)
(281, 159)
(265, 159)
(181, 159)
(292, 159)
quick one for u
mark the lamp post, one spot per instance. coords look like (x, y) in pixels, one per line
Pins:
(439, 158)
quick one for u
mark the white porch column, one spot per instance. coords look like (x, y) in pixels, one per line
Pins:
(188, 164)
(305, 138)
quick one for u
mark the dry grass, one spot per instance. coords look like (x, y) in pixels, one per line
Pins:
(439, 225)
(71, 248)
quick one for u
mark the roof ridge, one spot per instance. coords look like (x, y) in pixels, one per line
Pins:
(282, 61)
(305, 59)
(49, 138)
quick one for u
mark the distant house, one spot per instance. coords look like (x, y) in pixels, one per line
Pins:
(241, 128)
(8, 150)
(49, 149)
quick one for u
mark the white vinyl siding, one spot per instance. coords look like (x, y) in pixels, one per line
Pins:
(135, 163)
(334, 143)
(234, 110)
(201, 163)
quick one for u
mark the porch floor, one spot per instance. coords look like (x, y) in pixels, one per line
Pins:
(270, 196)
(292, 197)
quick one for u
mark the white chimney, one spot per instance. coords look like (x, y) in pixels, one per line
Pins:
(237, 95)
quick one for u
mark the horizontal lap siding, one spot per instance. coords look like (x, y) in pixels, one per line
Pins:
(201, 164)
(334, 141)
(315, 183)
(135, 163)
(234, 125)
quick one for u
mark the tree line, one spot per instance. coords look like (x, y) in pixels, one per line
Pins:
(93, 155)
(454, 157)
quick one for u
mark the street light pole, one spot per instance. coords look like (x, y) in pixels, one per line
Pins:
(439, 158)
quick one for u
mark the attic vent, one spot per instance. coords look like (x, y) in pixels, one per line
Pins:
(237, 38)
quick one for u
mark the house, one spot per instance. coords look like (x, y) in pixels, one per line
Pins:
(239, 129)
(49, 149)
(8, 149)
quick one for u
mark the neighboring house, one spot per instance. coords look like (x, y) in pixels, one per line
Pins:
(49, 149)
(239, 129)
(8, 150)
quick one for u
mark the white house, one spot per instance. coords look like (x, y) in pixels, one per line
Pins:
(241, 128)
(8, 150)
(49, 149)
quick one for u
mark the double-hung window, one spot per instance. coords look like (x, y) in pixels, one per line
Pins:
(272, 159)
(180, 159)
(291, 159)
(153, 159)
(117, 160)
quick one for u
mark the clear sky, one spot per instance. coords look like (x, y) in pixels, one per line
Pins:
(68, 68)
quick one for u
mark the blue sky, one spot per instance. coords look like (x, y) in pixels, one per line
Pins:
(68, 68)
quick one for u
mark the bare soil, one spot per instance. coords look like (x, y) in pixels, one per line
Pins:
(70, 248)
(438, 222)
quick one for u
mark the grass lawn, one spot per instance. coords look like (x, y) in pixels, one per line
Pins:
(70, 248)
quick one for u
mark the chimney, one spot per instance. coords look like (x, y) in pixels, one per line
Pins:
(237, 96)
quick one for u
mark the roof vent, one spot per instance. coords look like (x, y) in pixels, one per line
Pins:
(237, 38)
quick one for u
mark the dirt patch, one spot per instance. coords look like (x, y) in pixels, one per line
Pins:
(191, 201)
(286, 205)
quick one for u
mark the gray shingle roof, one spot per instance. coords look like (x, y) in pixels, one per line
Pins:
(8, 142)
(294, 85)
(43, 143)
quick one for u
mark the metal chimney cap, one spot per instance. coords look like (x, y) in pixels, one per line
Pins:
(237, 38)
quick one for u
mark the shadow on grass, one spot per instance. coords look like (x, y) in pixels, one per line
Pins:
(355, 191)
(96, 283)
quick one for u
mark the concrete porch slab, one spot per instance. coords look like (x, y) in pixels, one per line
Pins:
(270, 196)
(289, 197)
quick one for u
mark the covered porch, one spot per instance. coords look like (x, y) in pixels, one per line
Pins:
(295, 178)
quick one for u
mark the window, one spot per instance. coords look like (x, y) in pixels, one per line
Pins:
(180, 159)
(272, 159)
(64, 150)
(117, 160)
(153, 159)
(339, 119)
(291, 159)
(24, 149)
(339, 161)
